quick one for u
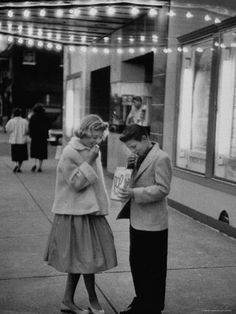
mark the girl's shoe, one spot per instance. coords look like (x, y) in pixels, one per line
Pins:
(94, 311)
(15, 169)
(39, 170)
(67, 309)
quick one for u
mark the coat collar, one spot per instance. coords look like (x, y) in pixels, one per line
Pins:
(149, 158)
(76, 144)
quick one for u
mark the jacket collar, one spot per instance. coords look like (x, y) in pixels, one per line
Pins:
(149, 158)
(76, 144)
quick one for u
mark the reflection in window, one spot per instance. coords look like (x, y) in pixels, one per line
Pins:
(225, 146)
(194, 106)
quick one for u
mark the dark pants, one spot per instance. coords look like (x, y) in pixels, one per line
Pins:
(148, 262)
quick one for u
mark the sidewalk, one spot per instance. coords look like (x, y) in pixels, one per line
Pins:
(201, 262)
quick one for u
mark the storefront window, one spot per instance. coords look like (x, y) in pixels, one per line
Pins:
(194, 106)
(225, 146)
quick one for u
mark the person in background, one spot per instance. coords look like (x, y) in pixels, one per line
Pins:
(38, 131)
(17, 127)
(150, 184)
(81, 240)
(136, 114)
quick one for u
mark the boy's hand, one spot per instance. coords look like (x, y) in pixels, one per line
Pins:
(126, 193)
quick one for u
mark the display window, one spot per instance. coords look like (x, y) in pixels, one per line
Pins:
(206, 131)
(225, 144)
(194, 106)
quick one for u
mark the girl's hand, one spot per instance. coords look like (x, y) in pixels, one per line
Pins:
(93, 154)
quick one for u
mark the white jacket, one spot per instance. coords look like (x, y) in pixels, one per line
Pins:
(17, 128)
(80, 187)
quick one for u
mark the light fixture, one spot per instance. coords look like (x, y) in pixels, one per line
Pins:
(171, 13)
(189, 15)
(40, 32)
(58, 47)
(10, 13)
(76, 12)
(131, 50)
(10, 39)
(106, 50)
(9, 26)
(20, 28)
(30, 30)
(49, 46)
(142, 49)
(40, 44)
(30, 42)
(83, 38)
(155, 38)
(58, 36)
(111, 11)
(119, 39)
(49, 35)
(152, 12)
(71, 37)
(217, 20)
(94, 50)
(120, 51)
(207, 18)
(131, 39)
(83, 48)
(142, 38)
(42, 13)
(20, 41)
(199, 49)
(26, 13)
(59, 13)
(106, 39)
(71, 48)
(93, 11)
(134, 11)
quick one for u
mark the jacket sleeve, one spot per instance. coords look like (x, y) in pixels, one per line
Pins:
(78, 175)
(161, 188)
(9, 126)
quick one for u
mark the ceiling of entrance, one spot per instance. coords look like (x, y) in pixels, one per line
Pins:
(84, 22)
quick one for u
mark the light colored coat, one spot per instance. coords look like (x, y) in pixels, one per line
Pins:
(80, 187)
(151, 185)
(17, 128)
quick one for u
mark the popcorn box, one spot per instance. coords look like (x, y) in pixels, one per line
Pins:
(121, 180)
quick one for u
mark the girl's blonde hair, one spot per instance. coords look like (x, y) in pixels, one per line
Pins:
(89, 123)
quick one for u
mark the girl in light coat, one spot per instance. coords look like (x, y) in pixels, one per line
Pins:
(17, 128)
(81, 241)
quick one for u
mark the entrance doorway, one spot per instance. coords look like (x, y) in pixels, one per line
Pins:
(100, 100)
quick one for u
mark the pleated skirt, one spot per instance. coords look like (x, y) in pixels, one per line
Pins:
(80, 244)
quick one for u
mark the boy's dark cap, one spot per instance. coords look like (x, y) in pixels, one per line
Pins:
(133, 131)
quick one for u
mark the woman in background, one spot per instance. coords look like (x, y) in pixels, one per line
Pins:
(81, 240)
(38, 131)
(17, 127)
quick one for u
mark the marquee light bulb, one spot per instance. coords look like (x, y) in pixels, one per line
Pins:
(152, 12)
(134, 11)
(26, 13)
(93, 11)
(111, 11)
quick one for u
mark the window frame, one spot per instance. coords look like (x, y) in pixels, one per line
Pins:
(214, 32)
